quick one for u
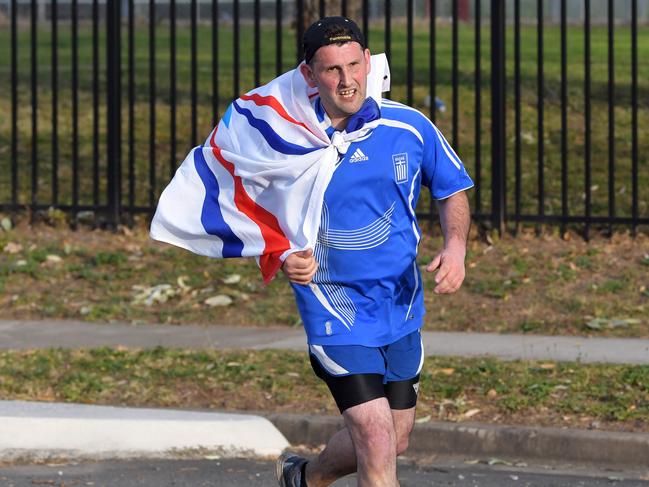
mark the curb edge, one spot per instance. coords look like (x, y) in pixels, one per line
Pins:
(475, 439)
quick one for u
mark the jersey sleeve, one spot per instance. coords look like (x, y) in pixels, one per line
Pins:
(442, 170)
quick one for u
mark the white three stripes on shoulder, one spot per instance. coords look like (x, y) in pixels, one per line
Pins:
(450, 153)
(402, 125)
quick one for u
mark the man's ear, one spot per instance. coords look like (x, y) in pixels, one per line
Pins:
(307, 72)
(368, 60)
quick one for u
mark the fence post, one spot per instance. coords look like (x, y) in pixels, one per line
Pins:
(299, 24)
(113, 110)
(498, 115)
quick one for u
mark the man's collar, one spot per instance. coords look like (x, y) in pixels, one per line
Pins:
(368, 112)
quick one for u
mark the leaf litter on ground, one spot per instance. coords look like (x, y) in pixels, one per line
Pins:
(528, 284)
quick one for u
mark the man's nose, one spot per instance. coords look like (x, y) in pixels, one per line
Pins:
(345, 77)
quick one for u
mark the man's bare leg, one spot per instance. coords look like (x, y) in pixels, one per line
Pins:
(335, 461)
(339, 457)
(404, 420)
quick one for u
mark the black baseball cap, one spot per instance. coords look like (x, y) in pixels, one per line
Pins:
(330, 30)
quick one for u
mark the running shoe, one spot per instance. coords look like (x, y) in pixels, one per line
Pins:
(289, 470)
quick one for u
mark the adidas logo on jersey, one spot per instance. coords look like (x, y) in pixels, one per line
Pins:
(358, 156)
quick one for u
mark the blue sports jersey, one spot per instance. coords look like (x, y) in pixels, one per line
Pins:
(368, 288)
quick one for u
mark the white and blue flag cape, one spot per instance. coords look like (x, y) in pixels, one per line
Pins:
(256, 186)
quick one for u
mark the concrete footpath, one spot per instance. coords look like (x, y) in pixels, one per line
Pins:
(46, 430)
(72, 334)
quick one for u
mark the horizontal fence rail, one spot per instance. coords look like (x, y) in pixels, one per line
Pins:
(545, 101)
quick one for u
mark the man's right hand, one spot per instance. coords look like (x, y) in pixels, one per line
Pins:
(300, 267)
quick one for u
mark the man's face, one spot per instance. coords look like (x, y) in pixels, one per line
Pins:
(340, 74)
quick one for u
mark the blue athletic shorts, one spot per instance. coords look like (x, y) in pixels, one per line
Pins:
(356, 374)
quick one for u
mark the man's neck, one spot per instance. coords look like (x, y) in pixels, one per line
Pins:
(339, 124)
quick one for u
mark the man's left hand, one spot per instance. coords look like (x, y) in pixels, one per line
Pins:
(449, 264)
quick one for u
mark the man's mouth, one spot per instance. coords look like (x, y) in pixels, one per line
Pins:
(347, 93)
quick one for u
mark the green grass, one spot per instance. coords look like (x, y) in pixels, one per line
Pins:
(568, 394)
(465, 144)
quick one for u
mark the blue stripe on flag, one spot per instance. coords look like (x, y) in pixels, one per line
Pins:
(211, 215)
(274, 140)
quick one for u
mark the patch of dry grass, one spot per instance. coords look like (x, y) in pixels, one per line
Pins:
(605, 396)
(527, 284)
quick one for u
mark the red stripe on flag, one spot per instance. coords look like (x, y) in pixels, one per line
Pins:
(273, 103)
(275, 242)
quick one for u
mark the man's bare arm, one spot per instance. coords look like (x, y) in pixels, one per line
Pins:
(455, 219)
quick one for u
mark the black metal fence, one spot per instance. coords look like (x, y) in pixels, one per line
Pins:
(548, 102)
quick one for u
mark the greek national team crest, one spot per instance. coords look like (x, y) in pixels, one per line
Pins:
(400, 167)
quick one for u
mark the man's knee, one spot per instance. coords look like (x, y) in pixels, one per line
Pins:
(372, 428)
(375, 434)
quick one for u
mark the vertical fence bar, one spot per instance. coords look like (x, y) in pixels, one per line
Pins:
(113, 108)
(432, 77)
(587, 121)
(14, 103)
(366, 20)
(454, 74)
(478, 106)
(564, 118)
(34, 94)
(432, 60)
(498, 141)
(131, 106)
(278, 37)
(321, 8)
(152, 104)
(75, 109)
(95, 102)
(634, 116)
(237, 51)
(172, 86)
(343, 8)
(539, 110)
(257, 47)
(55, 103)
(299, 30)
(215, 62)
(194, 71)
(611, 114)
(410, 78)
(388, 29)
(517, 112)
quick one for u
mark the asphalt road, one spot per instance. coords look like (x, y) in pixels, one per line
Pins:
(240, 472)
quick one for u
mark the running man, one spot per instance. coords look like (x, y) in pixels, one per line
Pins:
(359, 290)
